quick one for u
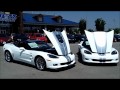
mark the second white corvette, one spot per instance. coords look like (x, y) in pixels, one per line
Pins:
(98, 48)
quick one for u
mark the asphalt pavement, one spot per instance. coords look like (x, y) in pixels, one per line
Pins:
(15, 70)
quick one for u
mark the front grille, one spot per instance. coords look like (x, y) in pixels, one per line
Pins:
(103, 60)
(65, 63)
(101, 54)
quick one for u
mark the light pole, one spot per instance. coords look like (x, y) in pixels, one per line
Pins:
(21, 21)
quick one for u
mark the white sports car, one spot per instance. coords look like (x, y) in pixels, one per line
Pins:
(41, 54)
(98, 48)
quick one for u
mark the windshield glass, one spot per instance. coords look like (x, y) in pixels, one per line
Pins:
(86, 45)
(38, 44)
(33, 45)
(44, 45)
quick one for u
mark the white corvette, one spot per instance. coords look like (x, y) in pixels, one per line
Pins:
(98, 48)
(41, 54)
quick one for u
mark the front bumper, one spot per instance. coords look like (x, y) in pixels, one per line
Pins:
(61, 62)
(96, 58)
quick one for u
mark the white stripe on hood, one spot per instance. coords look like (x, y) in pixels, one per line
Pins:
(61, 48)
(100, 41)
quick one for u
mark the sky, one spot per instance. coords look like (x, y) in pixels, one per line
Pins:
(112, 18)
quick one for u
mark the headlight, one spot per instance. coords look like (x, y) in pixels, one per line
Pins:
(52, 56)
(114, 52)
(87, 52)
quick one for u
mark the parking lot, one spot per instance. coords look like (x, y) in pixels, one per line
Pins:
(15, 70)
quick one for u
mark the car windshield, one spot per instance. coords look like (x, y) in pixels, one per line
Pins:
(33, 45)
(86, 45)
(38, 44)
(44, 45)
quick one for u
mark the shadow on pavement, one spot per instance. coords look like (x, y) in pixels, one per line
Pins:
(61, 69)
(50, 70)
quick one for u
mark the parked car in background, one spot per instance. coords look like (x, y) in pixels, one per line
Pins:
(71, 38)
(37, 36)
(116, 38)
(20, 37)
(80, 37)
(3, 39)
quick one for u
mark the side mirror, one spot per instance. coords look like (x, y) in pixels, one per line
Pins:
(22, 48)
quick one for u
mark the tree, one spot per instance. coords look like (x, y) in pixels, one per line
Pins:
(116, 30)
(99, 23)
(91, 30)
(109, 29)
(82, 26)
(75, 31)
(18, 24)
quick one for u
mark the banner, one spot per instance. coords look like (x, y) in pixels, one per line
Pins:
(8, 17)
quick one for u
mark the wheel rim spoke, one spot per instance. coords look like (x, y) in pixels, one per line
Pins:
(40, 64)
(7, 57)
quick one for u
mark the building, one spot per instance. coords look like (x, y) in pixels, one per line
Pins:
(37, 22)
(6, 22)
(32, 23)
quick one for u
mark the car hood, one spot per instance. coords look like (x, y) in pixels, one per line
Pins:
(100, 41)
(62, 46)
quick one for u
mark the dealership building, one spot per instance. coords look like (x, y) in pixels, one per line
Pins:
(6, 22)
(35, 23)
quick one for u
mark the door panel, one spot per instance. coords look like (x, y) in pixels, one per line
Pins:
(26, 55)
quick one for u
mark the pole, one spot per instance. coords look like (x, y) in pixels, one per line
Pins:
(21, 22)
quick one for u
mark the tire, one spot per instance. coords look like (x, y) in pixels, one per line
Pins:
(8, 56)
(40, 63)
(115, 40)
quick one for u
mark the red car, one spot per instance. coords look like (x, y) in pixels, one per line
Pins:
(37, 36)
(3, 38)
